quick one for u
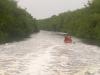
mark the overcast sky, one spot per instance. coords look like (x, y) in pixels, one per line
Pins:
(45, 8)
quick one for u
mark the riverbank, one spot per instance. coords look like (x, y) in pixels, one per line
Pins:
(83, 23)
(15, 23)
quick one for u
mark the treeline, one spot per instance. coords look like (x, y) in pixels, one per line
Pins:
(15, 23)
(84, 23)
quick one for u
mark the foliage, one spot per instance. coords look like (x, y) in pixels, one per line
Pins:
(15, 22)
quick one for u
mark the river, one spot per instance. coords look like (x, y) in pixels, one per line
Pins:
(45, 53)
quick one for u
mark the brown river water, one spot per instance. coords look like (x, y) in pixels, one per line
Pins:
(45, 53)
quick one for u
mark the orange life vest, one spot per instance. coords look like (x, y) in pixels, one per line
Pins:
(68, 39)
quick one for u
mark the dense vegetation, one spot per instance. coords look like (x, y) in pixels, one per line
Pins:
(84, 23)
(15, 23)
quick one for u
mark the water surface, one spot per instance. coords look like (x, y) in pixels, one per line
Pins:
(45, 53)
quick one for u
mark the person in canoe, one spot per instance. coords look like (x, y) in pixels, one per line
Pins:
(68, 39)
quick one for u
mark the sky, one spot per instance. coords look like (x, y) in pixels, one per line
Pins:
(41, 9)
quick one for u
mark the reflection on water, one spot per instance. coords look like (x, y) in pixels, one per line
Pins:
(45, 53)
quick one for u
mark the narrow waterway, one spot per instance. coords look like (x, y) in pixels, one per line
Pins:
(45, 53)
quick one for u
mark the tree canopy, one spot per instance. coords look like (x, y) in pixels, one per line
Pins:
(15, 22)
